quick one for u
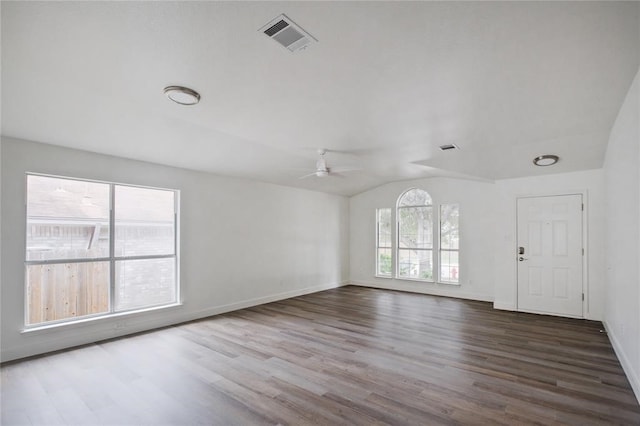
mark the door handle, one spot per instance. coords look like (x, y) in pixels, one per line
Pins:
(522, 258)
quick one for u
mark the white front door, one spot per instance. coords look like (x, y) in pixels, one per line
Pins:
(550, 255)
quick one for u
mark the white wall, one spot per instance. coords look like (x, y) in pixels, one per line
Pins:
(622, 185)
(242, 242)
(476, 200)
(591, 184)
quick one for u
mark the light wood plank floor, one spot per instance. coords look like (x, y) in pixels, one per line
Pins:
(352, 355)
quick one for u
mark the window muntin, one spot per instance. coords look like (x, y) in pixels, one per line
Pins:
(383, 243)
(96, 248)
(415, 235)
(414, 197)
(449, 243)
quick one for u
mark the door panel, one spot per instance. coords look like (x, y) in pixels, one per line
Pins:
(550, 269)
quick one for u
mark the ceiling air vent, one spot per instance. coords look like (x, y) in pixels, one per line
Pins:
(447, 147)
(287, 33)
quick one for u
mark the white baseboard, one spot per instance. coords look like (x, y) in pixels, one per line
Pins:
(107, 328)
(440, 290)
(217, 310)
(504, 306)
(631, 373)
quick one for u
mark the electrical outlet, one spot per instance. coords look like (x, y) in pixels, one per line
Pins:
(120, 325)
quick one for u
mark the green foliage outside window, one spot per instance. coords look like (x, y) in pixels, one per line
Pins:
(384, 264)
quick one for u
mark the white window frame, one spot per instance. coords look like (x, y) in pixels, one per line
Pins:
(112, 259)
(441, 250)
(378, 246)
(436, 249)
(434, 265)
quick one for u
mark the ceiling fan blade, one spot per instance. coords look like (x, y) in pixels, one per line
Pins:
(344, 169)
(337, 175)
(306, 176)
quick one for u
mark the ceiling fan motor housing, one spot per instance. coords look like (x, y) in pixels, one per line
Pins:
(321, 166)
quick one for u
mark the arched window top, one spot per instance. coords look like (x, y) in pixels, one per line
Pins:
(414, 197)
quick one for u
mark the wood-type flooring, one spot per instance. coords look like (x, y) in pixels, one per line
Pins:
(347, 356)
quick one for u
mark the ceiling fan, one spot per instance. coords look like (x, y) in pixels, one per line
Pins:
(323, 170)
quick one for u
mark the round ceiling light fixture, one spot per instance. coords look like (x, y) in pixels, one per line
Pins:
(546, 160)
(182, 95)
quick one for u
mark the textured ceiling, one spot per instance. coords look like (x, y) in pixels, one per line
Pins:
(386, 84)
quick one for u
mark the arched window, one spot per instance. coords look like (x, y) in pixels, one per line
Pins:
(415, 235)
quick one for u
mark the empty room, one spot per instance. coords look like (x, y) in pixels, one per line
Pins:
(320, 213)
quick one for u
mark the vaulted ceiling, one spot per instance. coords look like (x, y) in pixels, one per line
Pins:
(384, 86)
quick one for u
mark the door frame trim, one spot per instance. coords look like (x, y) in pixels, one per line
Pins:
(585, 244)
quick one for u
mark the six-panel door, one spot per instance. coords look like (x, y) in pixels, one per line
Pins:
(550, 263)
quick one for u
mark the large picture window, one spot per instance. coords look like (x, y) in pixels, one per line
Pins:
(415, 235)
(96, 248)
(426, 246)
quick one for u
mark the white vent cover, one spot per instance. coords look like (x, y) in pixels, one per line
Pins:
(287, 33)
(447, 147)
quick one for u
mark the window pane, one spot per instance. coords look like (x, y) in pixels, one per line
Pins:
(384, 228)
(416, 264)
(144, 283)
(415, 197)
(144, 221)
(384, 261)
(449, 266)
(66, 290)
(416, 227)
(449, 228)
(66, 219)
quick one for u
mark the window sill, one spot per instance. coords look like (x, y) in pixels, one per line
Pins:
(426, 281)
(95, 319)
(448, 283)
(388, 277)
(416, 280)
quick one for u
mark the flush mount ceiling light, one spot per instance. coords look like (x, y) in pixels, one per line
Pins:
(546, 160)
(182, 95)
